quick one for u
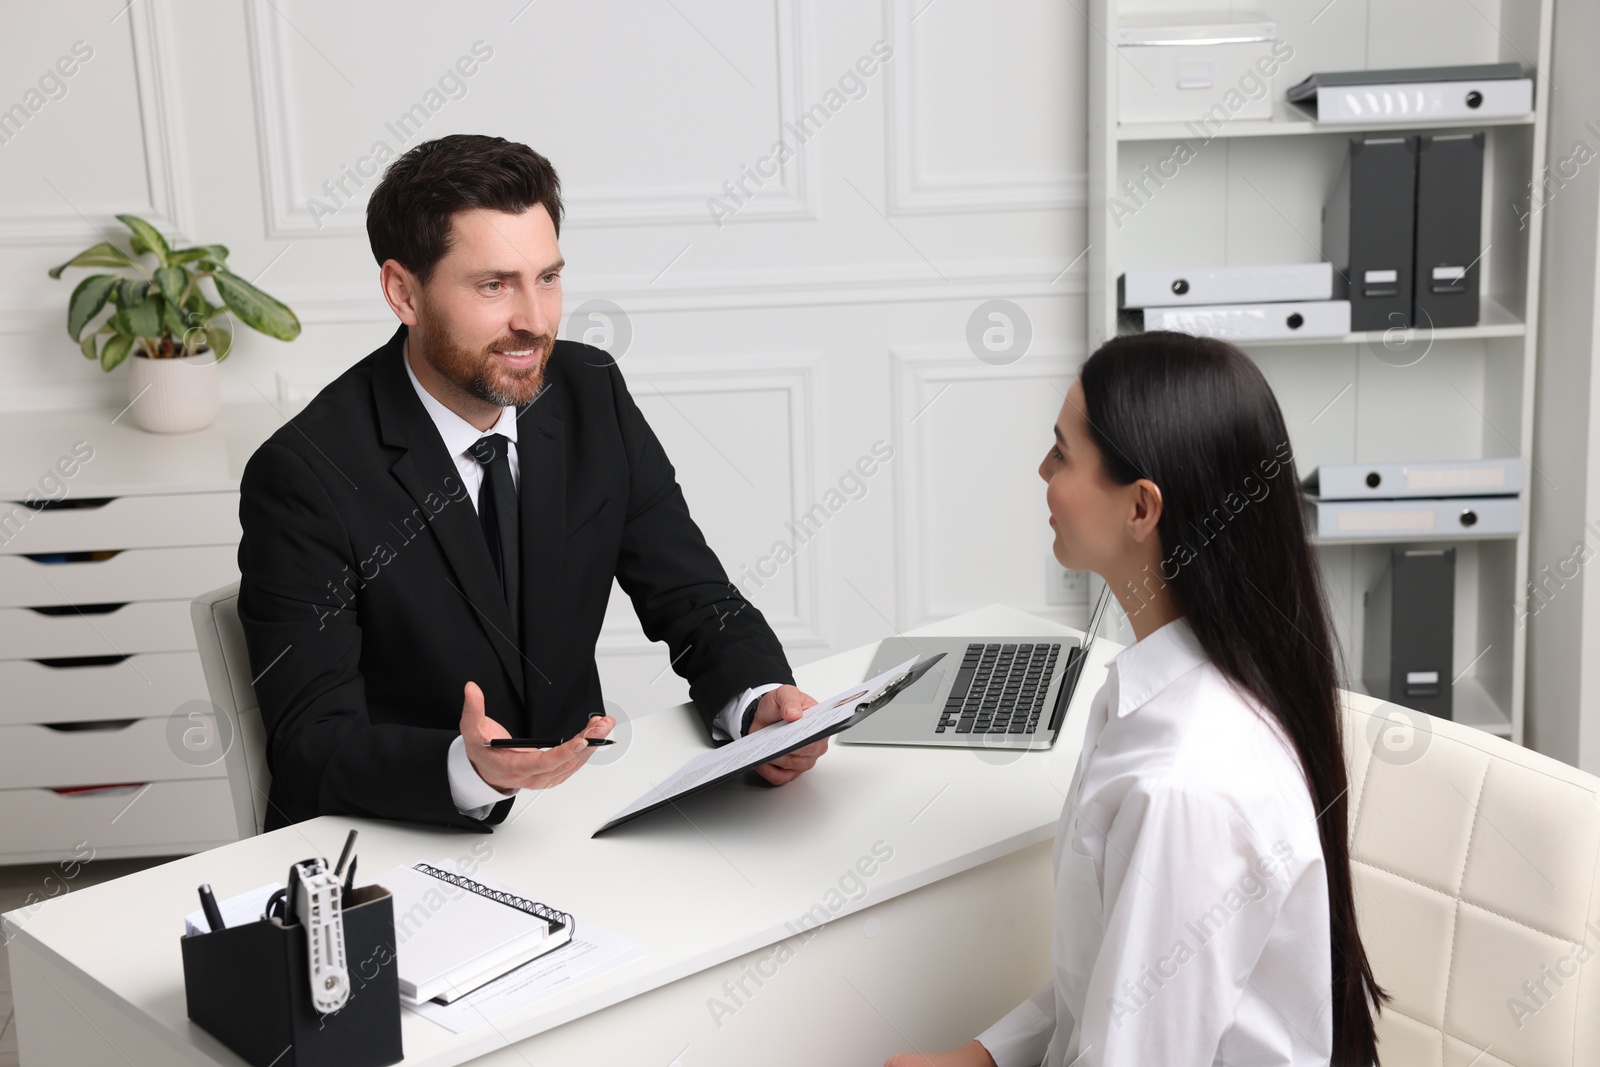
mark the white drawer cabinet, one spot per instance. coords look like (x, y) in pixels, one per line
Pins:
(123, 522)
(153, 819)
(135, 574)
(98, 668)
(67, 755)
(102, 687)
(85, 630)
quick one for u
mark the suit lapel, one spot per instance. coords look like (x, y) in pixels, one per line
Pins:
(426, 469)
(542, 519)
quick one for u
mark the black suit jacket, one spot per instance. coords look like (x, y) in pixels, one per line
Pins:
(368, 597)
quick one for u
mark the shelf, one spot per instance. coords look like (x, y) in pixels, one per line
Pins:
(1290, 120)
(1430, 536)
(1494, 320)
(1476, 708)
(1472, 706)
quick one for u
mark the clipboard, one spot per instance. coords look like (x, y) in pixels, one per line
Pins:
(865, 697)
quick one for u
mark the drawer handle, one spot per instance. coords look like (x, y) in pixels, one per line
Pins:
(98, 790)
(52, 558)
(69, 662)
(67, 503)
(80, 609)
(89, 726)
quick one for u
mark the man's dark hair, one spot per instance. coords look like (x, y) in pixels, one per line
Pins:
(408, 217)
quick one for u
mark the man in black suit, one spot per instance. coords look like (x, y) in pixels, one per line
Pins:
(429, 546)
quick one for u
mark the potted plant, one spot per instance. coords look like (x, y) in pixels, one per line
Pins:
(164, 320)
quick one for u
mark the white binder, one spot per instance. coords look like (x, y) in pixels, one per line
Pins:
(1418, 94)
(1253, 322)
(1168, 286)
(1416, 520)
(1433, 102)
(1438, 478)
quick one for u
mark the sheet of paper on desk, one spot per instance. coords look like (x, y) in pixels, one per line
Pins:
(754, 748)
(591, 952)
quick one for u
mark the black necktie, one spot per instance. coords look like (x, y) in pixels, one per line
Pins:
(497, 511)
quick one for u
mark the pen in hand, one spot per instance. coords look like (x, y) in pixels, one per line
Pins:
(540, 742)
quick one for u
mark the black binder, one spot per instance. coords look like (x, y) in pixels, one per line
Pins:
(1368, 227)
(1449, 230)
(1409, 644)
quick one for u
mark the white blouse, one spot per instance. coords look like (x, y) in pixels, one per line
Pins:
(1191, 917)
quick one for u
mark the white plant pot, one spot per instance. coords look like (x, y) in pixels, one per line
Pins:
(174, 395)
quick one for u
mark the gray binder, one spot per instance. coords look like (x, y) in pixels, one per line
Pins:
(1266, 283)
(1449, 245)
(1437, 478)
(1416, 520)
(1410, 631)
(1368, 225)
(1417, 96)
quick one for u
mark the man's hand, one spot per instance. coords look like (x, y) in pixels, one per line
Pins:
(510, 769)
(972, 1054)
(786, 704)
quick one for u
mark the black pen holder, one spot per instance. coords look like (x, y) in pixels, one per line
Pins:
(249, 987)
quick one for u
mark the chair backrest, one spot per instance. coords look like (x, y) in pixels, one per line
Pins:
(226, 662)
(1477, 879)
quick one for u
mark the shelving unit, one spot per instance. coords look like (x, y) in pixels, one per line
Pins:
(1252, 192)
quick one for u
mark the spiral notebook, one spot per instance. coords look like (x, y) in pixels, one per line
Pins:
(455, 931)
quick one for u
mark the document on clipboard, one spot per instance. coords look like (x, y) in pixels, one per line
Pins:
(821, 720)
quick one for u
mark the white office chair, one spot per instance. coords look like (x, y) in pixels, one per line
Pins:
(226, 662)
(1477, 869)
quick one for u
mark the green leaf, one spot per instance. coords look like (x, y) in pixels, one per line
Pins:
(172, 321)
(144, 318)
(220, 340)
(104, 254)
(87, 345)
(148, 236)
(115, 351)
(189, 255)
(130, 292)
(198, 305)
(258, 310)
(172, 281)
(87, 300)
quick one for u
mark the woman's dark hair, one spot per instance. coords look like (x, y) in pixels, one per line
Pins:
(408, 217)
(1195, 416)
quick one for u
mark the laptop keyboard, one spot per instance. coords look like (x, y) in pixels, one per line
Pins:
(999, 689)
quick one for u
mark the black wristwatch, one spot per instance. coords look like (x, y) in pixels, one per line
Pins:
(749, 717)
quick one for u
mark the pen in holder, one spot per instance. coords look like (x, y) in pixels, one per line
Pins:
(251, 985)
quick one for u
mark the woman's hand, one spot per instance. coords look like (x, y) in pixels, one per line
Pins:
(972, 1054)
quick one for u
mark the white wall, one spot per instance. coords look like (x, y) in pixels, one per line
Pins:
(771, 353)
(1564, 630)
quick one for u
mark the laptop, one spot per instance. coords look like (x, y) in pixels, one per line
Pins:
(986, 692)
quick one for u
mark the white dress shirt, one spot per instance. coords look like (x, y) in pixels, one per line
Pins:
(1191, 900)
(472, 795)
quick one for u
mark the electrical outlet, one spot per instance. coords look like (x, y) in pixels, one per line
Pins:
(1064, 587)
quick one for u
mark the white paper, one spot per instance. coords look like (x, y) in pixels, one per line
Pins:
(759, 746)
(236, 911)
(592, 951)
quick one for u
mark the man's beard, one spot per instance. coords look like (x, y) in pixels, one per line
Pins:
(480, 375)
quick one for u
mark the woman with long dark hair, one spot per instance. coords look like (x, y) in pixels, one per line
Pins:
(1204, 912)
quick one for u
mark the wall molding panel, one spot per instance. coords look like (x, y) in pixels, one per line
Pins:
(155, 65)
(912, 191)
(791, 197)
(917, 377)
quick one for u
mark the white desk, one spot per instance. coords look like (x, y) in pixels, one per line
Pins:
(951, 933)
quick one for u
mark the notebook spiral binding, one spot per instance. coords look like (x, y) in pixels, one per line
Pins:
(558, 920)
